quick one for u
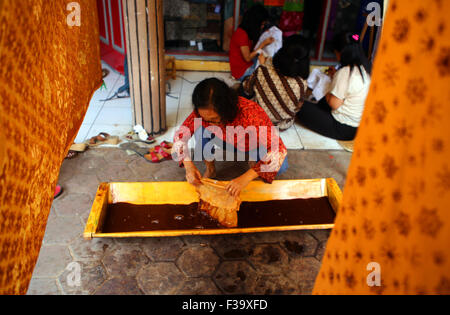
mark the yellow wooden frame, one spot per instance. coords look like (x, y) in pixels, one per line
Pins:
(215, 66)
(184, 193)
(202, 65)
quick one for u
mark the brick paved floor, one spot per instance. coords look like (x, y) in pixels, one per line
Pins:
(260, 263)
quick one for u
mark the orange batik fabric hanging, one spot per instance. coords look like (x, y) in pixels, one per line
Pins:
(392, 232)
(50, 67)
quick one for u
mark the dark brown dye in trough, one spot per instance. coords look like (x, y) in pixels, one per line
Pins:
(125, 217)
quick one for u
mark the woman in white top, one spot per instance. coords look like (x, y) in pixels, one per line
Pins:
(338, 114)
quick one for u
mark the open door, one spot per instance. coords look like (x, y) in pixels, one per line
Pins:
(112, 35)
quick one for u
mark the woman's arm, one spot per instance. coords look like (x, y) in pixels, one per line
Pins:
(248, 56)
(338, 89)
(193, 176)
(235, 186)
(333, 101)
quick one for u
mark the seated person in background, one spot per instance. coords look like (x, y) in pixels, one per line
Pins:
(278, 85)
(338, 114)
(242, 54)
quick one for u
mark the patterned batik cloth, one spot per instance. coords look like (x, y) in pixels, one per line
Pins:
(392, 231)
(281, 97)
(48, 73)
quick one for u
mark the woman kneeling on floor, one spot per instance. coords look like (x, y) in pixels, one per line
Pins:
(338, 114)
(279, 85)
(222, 119)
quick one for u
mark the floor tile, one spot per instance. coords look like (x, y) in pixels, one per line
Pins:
(172, 102)
(114, 115)
(171, 116)
(183, 113)
(171, 109)
(195, 76)
(186, 101)
(82, 133)
(226, 76)
(118, 102)
(120, 80)
(91, 114)
(291, 139)
(314, 141)
(174, 86)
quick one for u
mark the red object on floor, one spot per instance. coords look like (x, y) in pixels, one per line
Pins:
(58, 191)
(112, 33)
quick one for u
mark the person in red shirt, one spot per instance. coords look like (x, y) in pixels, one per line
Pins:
(242, 54)
(223, 120)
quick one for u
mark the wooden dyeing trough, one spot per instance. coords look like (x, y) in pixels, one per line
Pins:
(183, 193)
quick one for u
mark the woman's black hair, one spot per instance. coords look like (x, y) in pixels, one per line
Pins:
(292, 60)
(216, 93)
(252, 20)
(352, 53)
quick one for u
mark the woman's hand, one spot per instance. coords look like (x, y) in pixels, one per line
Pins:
(330, 72)
(193, 175)
(236, 185)
(262, 59)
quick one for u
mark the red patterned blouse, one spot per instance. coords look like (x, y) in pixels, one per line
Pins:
(251, 129)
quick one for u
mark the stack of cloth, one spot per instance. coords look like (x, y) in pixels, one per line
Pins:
(218, 203)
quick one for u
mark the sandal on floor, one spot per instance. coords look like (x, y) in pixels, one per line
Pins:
(78, 147)
(58, 191)
(166, 150)
(71, 154)
(103, 138)
(346, 145)
(157, 155)
(75, 149)
(133, 137)
(165, 144)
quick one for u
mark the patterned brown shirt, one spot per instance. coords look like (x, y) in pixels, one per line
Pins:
(281, 97)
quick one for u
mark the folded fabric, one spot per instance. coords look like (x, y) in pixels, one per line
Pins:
(270, 50)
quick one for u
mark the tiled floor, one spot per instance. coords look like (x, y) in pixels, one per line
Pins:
(115, 116)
